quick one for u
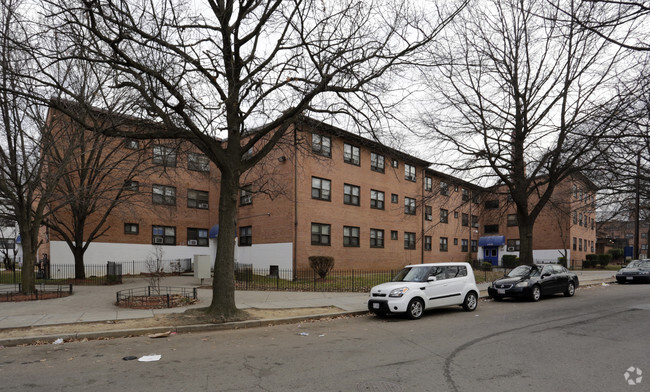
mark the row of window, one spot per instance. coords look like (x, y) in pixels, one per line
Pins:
(580, 194)
(588, 244)
(166, 195)
(583, 220)
(321, 235)
(166, 156)
(166, 235)
(322, 145)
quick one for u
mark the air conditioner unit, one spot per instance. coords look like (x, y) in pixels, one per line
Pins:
(192, 242)
(511, 249)
(203, 205)
(158, 240)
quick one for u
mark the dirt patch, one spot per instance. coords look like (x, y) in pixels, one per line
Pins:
(18, 297)
(157, 301)
(189, 317)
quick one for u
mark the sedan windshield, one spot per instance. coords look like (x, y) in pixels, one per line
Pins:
(523, 270)
(639, 264)
(412, 274)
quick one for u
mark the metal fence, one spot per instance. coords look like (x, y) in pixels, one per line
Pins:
(151, 297)
(249, 278)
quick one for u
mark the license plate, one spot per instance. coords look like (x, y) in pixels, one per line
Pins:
(501, 291)
(375, 306)
(630, 277)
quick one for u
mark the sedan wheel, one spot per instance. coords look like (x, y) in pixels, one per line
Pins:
(570, 290)
(471, 301)
(415, 309)
(536, 294)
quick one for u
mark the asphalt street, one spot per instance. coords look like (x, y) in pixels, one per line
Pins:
(584, 343)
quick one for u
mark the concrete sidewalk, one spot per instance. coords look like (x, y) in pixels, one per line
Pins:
(96, 303)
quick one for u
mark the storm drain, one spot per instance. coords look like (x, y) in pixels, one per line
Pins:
(378, 386)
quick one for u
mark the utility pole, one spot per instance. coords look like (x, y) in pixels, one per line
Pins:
(637, 206)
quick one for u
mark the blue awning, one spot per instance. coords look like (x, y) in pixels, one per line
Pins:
(18, 240)
(494, 240)
(214, 231)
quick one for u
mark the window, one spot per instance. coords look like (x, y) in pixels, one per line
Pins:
(198, 162)
(444, 244)
(246, 236)
(351, 194)
(376, 199)
(393, 198)
(476, 199)
(164, 195)
(376, 238)
(376, 162)
(351, 154)
(444, 216)
(475, 221)
(197, 199)
(321, 145)
(132, 186)
(320, 234)
(409, 172)
(582, 194)
(409, 240)
(320, 188)
(131, 144)
(465, 194)
(164, 235)
(350, 236)
(575, 243)
(474, 245)
(165, 156)
(644, 247)
(7, 243)
(427, 242)
(199, 237)
(512, 220)
(513, 245)
(131, 228)
(579, 219)
(455, 214)
(491, 204)
(393, 234)
(491, 229)
(444, 188)
(395, 163)
(579, 243)
(245, 195)
(428, 213)
(455, 241)
(575, 217)
(643, 235)
(464, 220)
(464, 246)
(575, 192)
(428, 184)
(409, 206)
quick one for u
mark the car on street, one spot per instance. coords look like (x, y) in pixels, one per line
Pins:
(534, 281)
(419, 287)
(635, 271)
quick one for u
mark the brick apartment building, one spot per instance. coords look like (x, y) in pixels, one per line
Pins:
(620, 234)
(325, 191)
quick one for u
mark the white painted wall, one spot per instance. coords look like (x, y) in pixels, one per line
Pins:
(261, 256)
(99, 253)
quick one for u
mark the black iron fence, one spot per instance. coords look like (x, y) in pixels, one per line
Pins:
(155, 297)
(13, 292)
(248, 278)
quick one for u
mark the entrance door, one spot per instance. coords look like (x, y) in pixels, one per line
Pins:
(491, 254)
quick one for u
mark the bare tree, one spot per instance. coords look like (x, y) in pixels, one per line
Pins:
(244, 71)
(526, 99)
(100, 177)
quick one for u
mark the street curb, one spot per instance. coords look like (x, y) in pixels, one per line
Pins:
(125, 333)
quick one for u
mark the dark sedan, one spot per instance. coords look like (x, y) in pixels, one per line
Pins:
(636, 271)
(534, 281)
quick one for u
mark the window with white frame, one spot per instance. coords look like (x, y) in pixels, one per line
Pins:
(428, 184)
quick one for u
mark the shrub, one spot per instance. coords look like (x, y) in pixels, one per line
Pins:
(562, 261)
(617, 254)
(486, 266)
(591, 261)
(604, 259)
(322, 265)
(510, 261)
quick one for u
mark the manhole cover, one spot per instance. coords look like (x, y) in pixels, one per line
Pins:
(378, 386)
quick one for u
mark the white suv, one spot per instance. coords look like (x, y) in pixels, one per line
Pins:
(423, 286)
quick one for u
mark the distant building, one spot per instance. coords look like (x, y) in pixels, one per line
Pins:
(620, 234)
